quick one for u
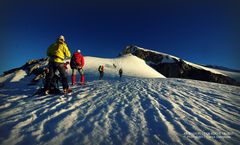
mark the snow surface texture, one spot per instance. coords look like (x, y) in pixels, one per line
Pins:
(127, 111)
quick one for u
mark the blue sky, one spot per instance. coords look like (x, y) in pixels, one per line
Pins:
(204, 32)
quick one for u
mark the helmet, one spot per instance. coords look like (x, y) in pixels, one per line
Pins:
(61, 37)
(78, 50)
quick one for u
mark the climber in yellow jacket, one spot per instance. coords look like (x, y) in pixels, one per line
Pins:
(57, 52)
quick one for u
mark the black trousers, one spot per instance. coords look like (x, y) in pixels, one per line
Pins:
(53, 67)
(101, 75)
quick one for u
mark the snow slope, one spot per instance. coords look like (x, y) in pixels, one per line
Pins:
(130, 111)
(131, 66)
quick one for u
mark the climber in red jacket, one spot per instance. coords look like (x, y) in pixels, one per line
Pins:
(77, 63)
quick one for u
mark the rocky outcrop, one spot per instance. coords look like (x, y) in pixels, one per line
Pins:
(174, 67)
(33, 67)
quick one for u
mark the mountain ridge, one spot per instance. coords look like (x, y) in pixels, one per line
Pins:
(222, 68)
(174, 67)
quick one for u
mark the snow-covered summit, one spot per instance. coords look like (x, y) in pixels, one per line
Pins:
(166, 57)
(131, 66)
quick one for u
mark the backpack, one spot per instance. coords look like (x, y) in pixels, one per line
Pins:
(73, 62)
(120, 71)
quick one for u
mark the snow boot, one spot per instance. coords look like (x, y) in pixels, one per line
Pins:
(46, 92)
(66, 91)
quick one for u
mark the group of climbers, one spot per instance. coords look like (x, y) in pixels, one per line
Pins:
(101, 71)
(57, 52)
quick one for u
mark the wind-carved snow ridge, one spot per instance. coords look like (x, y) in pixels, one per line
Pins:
(127, 111)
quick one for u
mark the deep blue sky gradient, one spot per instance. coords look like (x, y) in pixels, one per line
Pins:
(203, 32)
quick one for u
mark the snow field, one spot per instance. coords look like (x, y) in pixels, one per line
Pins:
(130, 111)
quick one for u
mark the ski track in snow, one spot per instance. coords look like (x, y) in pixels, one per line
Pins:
(130, 111)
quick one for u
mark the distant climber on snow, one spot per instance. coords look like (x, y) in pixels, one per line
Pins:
(77, 63)
(57, 53)
(120, 72)
(101, 71)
